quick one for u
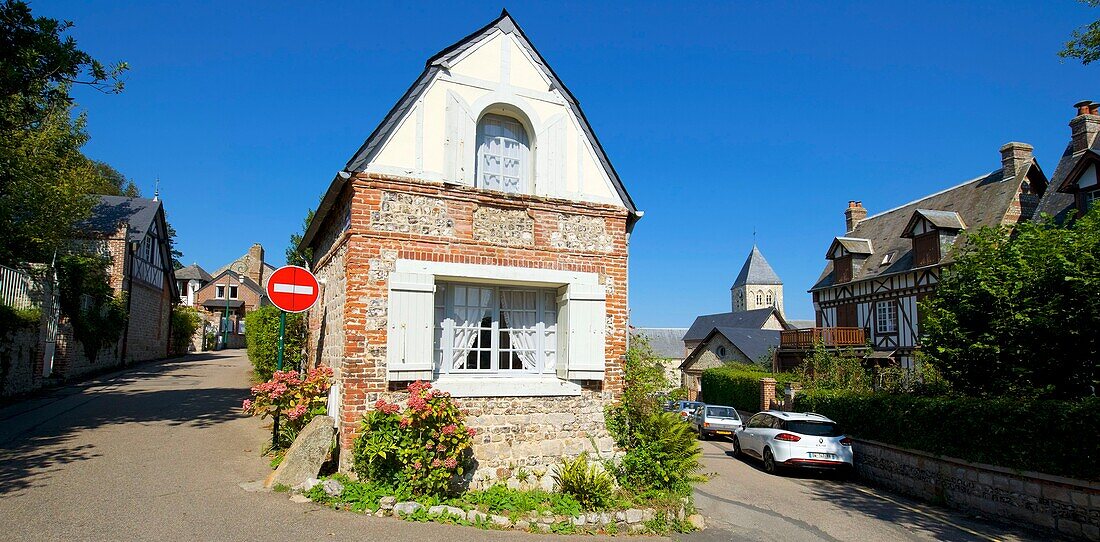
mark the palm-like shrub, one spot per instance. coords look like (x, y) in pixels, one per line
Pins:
(665, 456)
(586, 482)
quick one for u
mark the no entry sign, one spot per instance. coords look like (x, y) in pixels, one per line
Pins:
(292, 288)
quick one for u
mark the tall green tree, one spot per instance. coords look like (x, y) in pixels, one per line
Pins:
(1085, 43)
(300, 256)
(1017, 312)
(46, 182)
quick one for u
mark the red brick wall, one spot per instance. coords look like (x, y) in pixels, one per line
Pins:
(370, 255)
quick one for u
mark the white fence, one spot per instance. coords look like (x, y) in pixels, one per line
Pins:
(17, 289)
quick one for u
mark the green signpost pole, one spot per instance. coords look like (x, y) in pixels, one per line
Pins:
(278, 367)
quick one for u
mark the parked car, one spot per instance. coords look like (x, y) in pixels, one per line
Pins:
(792, 439)
(715, 420)
(685, 408)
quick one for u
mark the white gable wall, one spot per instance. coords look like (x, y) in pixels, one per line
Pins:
(498, 70)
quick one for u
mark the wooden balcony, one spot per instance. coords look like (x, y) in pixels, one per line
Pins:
(829, 337)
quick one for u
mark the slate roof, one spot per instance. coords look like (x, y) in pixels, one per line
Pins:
(753, 319)
(756, 270)
(754, 343)
(111, 211)
(667, 342)
(982, 201)
(193, 272)
(441, 61)
(1059, 204)
(801, 324)
(942, 219)
(853, 245)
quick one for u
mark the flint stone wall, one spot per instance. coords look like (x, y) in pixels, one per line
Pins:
(577, 232)
(520, 439)
(1071, 507)
(504, 227)
(414, 214)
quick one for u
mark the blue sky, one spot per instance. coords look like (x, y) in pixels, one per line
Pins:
(721, 118)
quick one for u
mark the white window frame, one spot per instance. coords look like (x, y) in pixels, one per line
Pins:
(545, 333)
(886, 317)
(523, 181)
(219, 291)
(1090, 197)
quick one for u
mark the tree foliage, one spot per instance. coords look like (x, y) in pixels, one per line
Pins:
(1085, 43)
(46, 182)
(1017, 313)
(296, 255)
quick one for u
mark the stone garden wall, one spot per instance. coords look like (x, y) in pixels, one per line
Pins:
(1071, 507)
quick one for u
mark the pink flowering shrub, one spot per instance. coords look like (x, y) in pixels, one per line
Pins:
(425, 448)
(297, 399)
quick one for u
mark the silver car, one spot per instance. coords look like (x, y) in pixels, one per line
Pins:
(715, 420)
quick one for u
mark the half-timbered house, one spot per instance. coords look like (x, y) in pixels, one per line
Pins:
(884, 265)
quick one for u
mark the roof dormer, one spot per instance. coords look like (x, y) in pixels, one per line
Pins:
(1083, 181)
(848, 255)
(933, 233)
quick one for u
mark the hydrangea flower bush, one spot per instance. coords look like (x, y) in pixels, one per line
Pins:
(425, 447)
(297, 399)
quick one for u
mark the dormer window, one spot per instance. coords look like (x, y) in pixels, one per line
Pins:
(848, 255)
(932, 233)
(503, 155)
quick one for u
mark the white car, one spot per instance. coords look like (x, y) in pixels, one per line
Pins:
(793, 439)
(713, 420)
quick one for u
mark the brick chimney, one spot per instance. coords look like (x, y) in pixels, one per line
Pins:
(854, 214)
(1015, 157)
(1085, 125)
(256, 263)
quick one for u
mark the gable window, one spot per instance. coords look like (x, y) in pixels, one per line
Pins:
(1088, 197)
(484, 329)
(759, 299)
(503, 155)
(233, 292)
(721, 351)
(219, 291)
(769, 298)
(926, 249)
(886, 317)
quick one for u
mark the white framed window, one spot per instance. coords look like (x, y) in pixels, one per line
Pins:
(486, 329)
(1090, 197)
(219, 291)
(503, 155)
(886, 317)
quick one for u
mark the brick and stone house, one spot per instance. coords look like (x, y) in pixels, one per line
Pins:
(235, 290)
(1075, 185)
(478, 240)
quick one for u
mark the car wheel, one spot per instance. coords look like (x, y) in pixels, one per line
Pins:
(736, 447)
(769, 462)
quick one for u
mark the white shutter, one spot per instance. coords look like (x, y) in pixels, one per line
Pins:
(409, 330)
(581, 332)
(550, 157)
(459, 145)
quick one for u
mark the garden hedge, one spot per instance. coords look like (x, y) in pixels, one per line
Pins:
(738, 386)
(1053, 437)
(261, 331)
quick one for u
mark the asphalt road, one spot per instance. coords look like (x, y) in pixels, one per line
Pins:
(158, 452)
(743, 503)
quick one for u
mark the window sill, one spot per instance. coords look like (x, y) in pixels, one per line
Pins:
(506, 386)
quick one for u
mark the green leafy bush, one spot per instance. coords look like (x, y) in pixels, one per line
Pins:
(1017, 312)
(185, 321)
(829, 369)
(738, 385)
(664, 457)
(12, 319)
(98, 316)
(589, 484)
(661, 452)
(262, 334)
(1055, 437)
(425, 448)
(499, 499)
